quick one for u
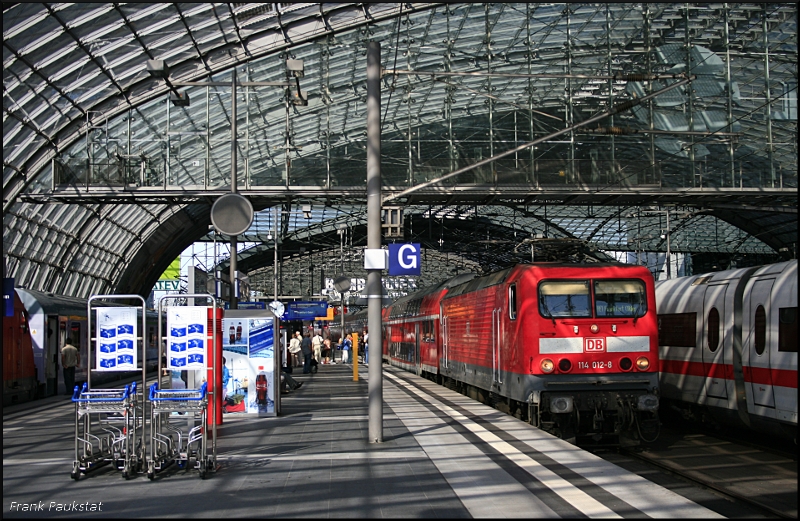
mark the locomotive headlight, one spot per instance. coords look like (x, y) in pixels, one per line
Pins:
(594, 328)
(561, 404)
(647, 402)
(642, 363)
(547, 365)
(564, 365)
(625, 364)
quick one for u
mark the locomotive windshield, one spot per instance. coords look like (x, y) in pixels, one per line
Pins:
(612, 298)
(620, 298)
(565, 299)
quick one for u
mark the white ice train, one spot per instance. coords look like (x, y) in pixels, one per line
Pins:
(728, 346)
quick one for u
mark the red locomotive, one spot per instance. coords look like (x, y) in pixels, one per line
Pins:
(573, 348)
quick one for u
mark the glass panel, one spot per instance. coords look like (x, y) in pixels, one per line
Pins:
(564, 299)
(760, 323)
(787, 330)
(713, 329)
(512, 301)
(620, 298)
(677, 329)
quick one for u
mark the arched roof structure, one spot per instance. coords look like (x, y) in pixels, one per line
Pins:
(105, 181)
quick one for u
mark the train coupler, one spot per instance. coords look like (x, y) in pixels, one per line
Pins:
(598, 420)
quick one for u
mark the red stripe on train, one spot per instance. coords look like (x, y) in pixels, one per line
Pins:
(762, 375)
(758, 375)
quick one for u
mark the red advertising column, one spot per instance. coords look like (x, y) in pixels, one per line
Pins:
(215, 359)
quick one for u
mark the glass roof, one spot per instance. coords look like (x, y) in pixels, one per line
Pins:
(106, 181)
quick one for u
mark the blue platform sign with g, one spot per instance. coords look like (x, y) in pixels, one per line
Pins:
(404, 259)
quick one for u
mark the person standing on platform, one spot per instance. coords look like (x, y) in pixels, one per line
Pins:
(294, 349)
(316, 343)
(347, 345)
(226, 377)
(305, 347)
(326, 351)
(70, 359)
(366, 348)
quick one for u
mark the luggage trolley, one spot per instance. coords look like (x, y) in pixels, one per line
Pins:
(171, 444)
(109, 422)
(175, 434)
(117, 413)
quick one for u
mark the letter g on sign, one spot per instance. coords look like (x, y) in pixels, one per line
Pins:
(404, 259)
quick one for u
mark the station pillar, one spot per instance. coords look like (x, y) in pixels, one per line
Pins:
(214, 353)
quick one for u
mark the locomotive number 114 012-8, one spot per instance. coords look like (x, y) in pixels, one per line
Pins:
(597, 364)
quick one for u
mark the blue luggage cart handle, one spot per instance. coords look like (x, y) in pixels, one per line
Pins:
(76, 395)
(154, 392)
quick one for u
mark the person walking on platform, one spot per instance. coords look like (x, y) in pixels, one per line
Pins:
(70, 359)
(347, 345)
(305, 347)
(316, 343)
(294, 349)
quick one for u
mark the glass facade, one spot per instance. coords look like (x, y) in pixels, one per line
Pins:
(85, 122)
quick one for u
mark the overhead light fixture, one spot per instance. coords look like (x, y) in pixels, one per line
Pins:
(299, 99)
(294, 68)
(179, 99)
(307, 211)
(158, 69)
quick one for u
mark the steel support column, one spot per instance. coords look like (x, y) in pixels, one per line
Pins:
(374, 283)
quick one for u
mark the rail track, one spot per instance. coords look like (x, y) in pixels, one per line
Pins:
(763, 477)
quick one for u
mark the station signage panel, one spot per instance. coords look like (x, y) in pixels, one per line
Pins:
(305, 310)
(167, 285)
(8, 297)
(405, 259)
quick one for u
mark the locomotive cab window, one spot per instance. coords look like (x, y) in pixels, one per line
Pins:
(564, 299)
(620, 298)
(512, 302)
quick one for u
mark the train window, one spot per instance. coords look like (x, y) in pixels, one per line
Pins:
(564, 299)
(760, 333)
(677, 329)
(620, 298)
(512, 301)
(787, 330)
(713, 329)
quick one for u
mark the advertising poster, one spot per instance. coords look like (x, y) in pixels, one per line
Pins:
(186, 336)
(116, 339)
(249, 365)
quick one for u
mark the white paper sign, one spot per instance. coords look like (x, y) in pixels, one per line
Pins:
(186, 337)
(116, 339)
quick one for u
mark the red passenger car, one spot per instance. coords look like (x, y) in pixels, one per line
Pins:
(571, 347)
(412, 328)
(19, 371)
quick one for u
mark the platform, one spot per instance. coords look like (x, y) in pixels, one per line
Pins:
(443, 456)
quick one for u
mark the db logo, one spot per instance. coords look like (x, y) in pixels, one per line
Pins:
(594, 345)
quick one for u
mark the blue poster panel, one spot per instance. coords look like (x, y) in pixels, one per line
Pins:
(116, 339)
(249, 370)
(186, 337)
